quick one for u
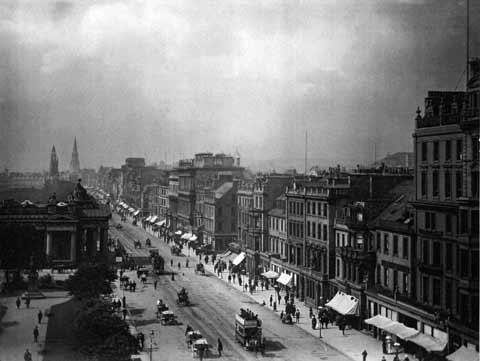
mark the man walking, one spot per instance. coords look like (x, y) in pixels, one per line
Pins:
(314, 323)
(18, 302)
(297, 315)
(40, 316)
(27, 301)
(271, 300)
(35, 334)
(155, 284)
(220, 348)
(124, 311)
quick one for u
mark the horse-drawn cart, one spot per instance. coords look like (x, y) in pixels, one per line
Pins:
(182, 299)
(168, 318)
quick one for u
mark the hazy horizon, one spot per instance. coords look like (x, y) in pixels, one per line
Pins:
(166, 79)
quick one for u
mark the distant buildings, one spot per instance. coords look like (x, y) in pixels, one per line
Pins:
(53, 163)
(75, 162)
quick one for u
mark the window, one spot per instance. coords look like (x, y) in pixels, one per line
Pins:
(437, 295)
(379, 240)
(314, 206)
(405, 247)
(385, 276)
(301, 229)
(405, 283)
(319, 231)
(314, 225)
(475, 224)
(463, 263)
(425, 289)
(378, 274)
(338, 240)
(325, 233)
(219, 211)
(395, 280)
(474, 258)
(448, 150)
(448, 223)
(475, 148)
(424, 151)
(435, 151)
(448, 256)
(435, 183)
(425, 251)
(459, 149)
(448, 294)
(325, 210)
(463, 221)
(430, 220)
(458, 183)
(395, 245)
(448, 184)
(308, 207)
(423, 180)
(290, 208)
(475, 184)
(232, 211)
(437, 253)
(385, 243)
(308, 228)
(338, 268)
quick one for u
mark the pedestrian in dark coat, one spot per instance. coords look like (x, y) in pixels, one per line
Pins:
(27, 301)
(297, 315)
(141, 339)
(155, 284)
(186, 263)
(314, 323)
(27, 356)
(18, 303)
(124, 302)
(124, 312)
(233, 278)
(171, 262)
(134, 285)
(271, 300)
(279, 298)
(275, 306)
(179, 266)
(40, 316)
(286, 298)
(310, 313)
(35, 334)
(220, 348)
(173, 276)
(229, 278)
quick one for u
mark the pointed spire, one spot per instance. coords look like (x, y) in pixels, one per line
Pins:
(75, 162)
(53, 163)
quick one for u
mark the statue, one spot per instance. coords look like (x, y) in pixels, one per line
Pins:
(32, 291)
(80, 193)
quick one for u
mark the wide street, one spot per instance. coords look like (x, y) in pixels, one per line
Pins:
(214, 305)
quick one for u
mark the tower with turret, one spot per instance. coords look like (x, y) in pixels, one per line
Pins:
(75, 162)
(53, 163)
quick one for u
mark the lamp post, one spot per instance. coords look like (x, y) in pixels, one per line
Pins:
(151, 344)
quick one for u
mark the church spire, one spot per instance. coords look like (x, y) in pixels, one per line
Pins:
(75, 163)
(53, 163)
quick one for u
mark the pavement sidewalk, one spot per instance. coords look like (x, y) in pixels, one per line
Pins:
(351, 344)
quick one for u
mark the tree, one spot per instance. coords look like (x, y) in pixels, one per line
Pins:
(91, 280)
(103, 333)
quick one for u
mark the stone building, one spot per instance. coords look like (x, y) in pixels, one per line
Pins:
(447, 218)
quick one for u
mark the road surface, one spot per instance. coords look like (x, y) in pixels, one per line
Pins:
(214, 305)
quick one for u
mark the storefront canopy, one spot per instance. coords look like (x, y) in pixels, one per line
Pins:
(193, 238)
(270, 274)
(429, 343)
(178, 233)
(379, 321)
(148, 219)
(463, 354)
(400, 330)
(153, 219)
(131, 209)
(137, 212)
(186, 236)
(343, 304)
(284, 279)
(161, 223)
(239, 259)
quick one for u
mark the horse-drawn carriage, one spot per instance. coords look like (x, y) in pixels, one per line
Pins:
(287, 318)
(137, 244)
(161, 307)
(192, 336)
(168, 318)
(200, 348)
(182, 299)
(200, 268)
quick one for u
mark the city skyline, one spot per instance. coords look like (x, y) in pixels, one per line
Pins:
(222, 77)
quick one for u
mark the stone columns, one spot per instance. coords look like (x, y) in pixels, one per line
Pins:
(73, 246)
(48, 249)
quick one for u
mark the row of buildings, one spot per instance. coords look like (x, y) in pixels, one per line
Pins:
(402, 244)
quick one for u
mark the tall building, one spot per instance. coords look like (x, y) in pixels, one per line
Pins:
(447, 217)
(75, 162)
(53, 163)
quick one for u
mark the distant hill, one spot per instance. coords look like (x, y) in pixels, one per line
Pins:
(400, 159)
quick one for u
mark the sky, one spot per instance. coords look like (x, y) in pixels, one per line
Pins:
(166, 79)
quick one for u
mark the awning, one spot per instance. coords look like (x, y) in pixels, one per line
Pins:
(137, 212)
(463, 354)
(284, 279)
(131, 209)
(343, 304)
(400, 330)
(225, 254)
(161, 223)
(379, 321)
(153, 219)
(429, 343)
(186, 236)
(270, 274)
(239, 259)
(148, 219)
(125, 205)
(193, 238)
(178, 233)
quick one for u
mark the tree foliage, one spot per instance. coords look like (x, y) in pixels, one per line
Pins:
(91, 280)
(102, 333)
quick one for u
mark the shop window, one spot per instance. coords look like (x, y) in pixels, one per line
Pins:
(405, 247)
(395, 245)
(448, 150)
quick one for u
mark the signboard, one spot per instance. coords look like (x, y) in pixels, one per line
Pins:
(118, 259)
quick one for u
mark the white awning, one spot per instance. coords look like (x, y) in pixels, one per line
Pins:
(379, 321)
(178, 233)
(429, 343)
(131, 209)
(227, 253)
(137, 212)
(153, 219)
(270, 274)
(463, 354)
(125, 205)
(284, 279)
(148, 219)
(239, 259)
(193, 238)
(400, 330)
(344, 304)
(186, 236)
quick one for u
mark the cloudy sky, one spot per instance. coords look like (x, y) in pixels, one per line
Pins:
(169, 78)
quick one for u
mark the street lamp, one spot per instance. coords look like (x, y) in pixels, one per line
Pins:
(319, 321)
(151, 344)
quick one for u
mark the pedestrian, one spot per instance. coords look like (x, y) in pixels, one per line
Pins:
(124, 312)
(364, 355)
(124, 302)
(155, 284)
(262, 284)
(189, 328)
(314, 323)
(233, 278)
(326, 320)
(179, 265)
(240, 280)
(275, 306)
(286, 298)
(297, 315)
(383, 358)
(229, 278)
(310, 313)
(171, 263)
(27, 301)
(219, 348)
(27, 356)
(18, 302)
(35, 334)
(281, 315)
(141, 338)
(279, 298)
(406, 358)
(271, 300)
(134, 285)
(40, 316)
(186, 263)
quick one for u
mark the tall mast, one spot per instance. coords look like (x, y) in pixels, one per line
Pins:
(306, 139)
(468, 43)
